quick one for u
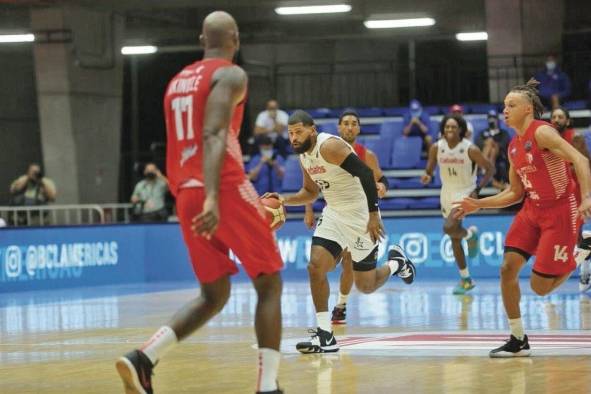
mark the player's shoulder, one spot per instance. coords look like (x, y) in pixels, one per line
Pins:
(230, 73)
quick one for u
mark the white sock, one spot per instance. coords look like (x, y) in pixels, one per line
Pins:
(581, 255)
(268, 367)
(394, 265)
(161, 342)
(517, 328)
(342, 299)
(323, 321)
(465, 273)
(469, 233)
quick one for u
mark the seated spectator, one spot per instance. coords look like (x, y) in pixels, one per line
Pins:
(457, 109)
(494, 142)
(149, 196)
(265, 170)
(555, 84)
(28, 190)
(273, 123)
(417, 123)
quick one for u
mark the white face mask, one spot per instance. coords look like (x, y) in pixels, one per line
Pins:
(267, 152)
(550, 66)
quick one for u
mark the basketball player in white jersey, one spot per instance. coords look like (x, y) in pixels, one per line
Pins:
(458, 159)
(350, 220)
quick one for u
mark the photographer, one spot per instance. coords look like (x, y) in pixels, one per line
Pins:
(32, 188)
(149, 195)
(266, 168)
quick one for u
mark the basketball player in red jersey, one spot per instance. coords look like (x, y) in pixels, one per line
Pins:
(349, 129)
(217, 206)
(560, 118)
(548, 223)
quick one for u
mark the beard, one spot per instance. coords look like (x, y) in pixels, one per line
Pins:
(560, 127)
(304, 146)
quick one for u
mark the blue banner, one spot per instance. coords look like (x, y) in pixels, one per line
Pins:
(46, 258)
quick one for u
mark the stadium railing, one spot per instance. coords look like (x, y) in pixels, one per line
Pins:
(70, 214)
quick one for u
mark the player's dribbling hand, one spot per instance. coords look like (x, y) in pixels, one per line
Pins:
(466, 206)
(426, 179)
(272, 195)
(375, 227)
(207, 221)
(585, 209)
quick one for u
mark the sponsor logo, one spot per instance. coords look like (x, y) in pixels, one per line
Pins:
(529, 157)
(314, 170)
(416, 246)
(451, 160)
(187, 153)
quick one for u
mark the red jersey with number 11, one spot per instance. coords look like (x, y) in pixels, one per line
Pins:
(184, 109)
(545, 176)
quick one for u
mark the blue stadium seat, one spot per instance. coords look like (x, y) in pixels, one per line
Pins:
(395, 111)
(335, 112)
(577, 104)
(587, 136)
(370, 112)
(482, 108)
(292, 180)
(331, 128)
(395, 203)
(432, 109)
(406, 152)
(382, 149)
(391, 129)
(318, 113)
(479, 125)
(409, 183)
(372, 128)
(424, 203)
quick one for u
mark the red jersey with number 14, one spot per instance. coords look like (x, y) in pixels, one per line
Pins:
(545, 176)
(184, 109)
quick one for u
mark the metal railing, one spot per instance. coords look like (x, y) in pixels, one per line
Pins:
(71, 214)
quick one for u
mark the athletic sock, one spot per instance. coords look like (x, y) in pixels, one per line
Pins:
(394, 266)
(268, 366)
(517, 328)
(160, 343)
(323, 321)
(465, 273)
(342, 300)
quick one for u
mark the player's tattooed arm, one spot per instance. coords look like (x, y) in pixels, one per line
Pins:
(431, 163)
(489, 169)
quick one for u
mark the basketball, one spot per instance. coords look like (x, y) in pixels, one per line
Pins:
(275, 212)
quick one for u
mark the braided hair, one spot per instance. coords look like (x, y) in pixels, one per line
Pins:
(530, 90)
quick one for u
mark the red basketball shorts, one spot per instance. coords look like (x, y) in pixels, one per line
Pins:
(549, 231)
(242, 228)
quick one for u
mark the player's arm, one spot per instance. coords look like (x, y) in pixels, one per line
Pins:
(489, 169)
(548, 138)
(307, 194)
(227, 90)
(338, 152)
(510, 196)
(382, 183)
(431, 163)
(580, 145)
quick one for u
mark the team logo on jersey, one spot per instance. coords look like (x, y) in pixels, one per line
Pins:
(359, 243)
(527, 146)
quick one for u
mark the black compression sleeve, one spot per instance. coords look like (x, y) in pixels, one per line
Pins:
(354, 166)
(384, 180)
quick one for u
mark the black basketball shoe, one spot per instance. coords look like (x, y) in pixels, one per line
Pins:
(512, 348)
(135, 369)
(339, 315)
(320, 342)
(406, 269)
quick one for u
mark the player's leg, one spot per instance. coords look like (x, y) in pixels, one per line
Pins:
(322, 260)
(453, 228)
(339, 312)
(368, 278)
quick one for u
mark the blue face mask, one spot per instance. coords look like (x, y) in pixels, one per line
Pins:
(550, 66)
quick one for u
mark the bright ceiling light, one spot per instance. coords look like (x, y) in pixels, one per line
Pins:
(313, 9)
(5, 38)
(474, 36)
(139, 50)
(398, 23)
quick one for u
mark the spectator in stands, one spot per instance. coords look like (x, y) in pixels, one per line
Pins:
(265, 170)
(417, 124)
(32, 188)
(149, 196)
(555, 84)
(457, 109)
(494, 142)
(273, 123)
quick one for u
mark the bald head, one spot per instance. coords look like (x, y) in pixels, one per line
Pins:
(220, 31)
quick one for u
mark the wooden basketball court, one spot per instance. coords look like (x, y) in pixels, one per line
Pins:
(411, 339)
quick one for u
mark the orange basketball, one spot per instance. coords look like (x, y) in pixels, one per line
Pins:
(275, 212)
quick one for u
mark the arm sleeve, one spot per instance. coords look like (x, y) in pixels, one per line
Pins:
(354, 166)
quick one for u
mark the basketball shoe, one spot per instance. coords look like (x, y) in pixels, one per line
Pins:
(512, 348)
(465, 285)
(320, 342)
(406, 269)
(135, 369)
(339, 314)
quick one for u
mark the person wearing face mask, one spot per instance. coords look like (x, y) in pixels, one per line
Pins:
(417, 124)
(30, 189)
(493, 142)
(272, 122)
(149, 195)
(555, 85)
(265, 170)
